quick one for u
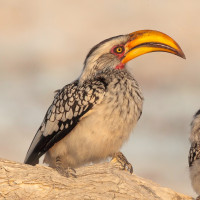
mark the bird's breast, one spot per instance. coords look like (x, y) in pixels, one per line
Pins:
(195, 175)
(122, 105)
(110, 123)
(103, 130)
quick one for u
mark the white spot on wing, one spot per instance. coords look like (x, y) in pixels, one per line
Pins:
(75, 114)
(62, 127)
(77, 107)
(61, 109)
(63, 117)
(52, 117)
(66, 107)
(59, 116)
(50, 128)
(81, 110)
(69, 114)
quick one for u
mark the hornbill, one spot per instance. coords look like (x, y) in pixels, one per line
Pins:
(93, 116)
(194, 153)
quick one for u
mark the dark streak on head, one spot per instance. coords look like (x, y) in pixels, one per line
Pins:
(197, 113)
(98, 45)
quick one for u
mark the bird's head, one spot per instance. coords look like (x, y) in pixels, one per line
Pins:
(115, 52)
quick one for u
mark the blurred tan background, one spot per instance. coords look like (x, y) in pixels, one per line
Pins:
(43, 44)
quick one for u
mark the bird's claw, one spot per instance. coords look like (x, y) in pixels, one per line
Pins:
(122, 163)
(68, 172)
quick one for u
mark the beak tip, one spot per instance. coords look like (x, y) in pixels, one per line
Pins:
(182, 55)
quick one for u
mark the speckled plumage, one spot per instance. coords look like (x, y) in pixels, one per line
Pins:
(102, 131)
(70, 103)
(194, 153)
(92, 117)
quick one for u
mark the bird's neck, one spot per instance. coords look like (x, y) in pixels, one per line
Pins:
(107, 74)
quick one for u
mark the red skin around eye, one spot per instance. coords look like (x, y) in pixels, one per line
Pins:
(117, 54)
(121, 65)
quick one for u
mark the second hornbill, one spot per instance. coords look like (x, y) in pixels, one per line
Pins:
(93, 116)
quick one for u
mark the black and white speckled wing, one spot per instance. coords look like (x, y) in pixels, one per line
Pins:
(69, 105)
(194, 153)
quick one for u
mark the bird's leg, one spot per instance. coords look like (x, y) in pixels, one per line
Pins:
(120, 161)
(67, 172)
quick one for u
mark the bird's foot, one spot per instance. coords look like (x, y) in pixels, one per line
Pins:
(67, 172)
(198, 198)
(121, 162)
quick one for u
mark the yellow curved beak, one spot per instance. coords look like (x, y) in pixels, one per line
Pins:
(147, 41)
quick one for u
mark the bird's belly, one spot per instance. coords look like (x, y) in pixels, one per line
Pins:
(97, 136)
(195, 176)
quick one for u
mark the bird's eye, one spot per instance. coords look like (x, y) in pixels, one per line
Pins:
(119, 49)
